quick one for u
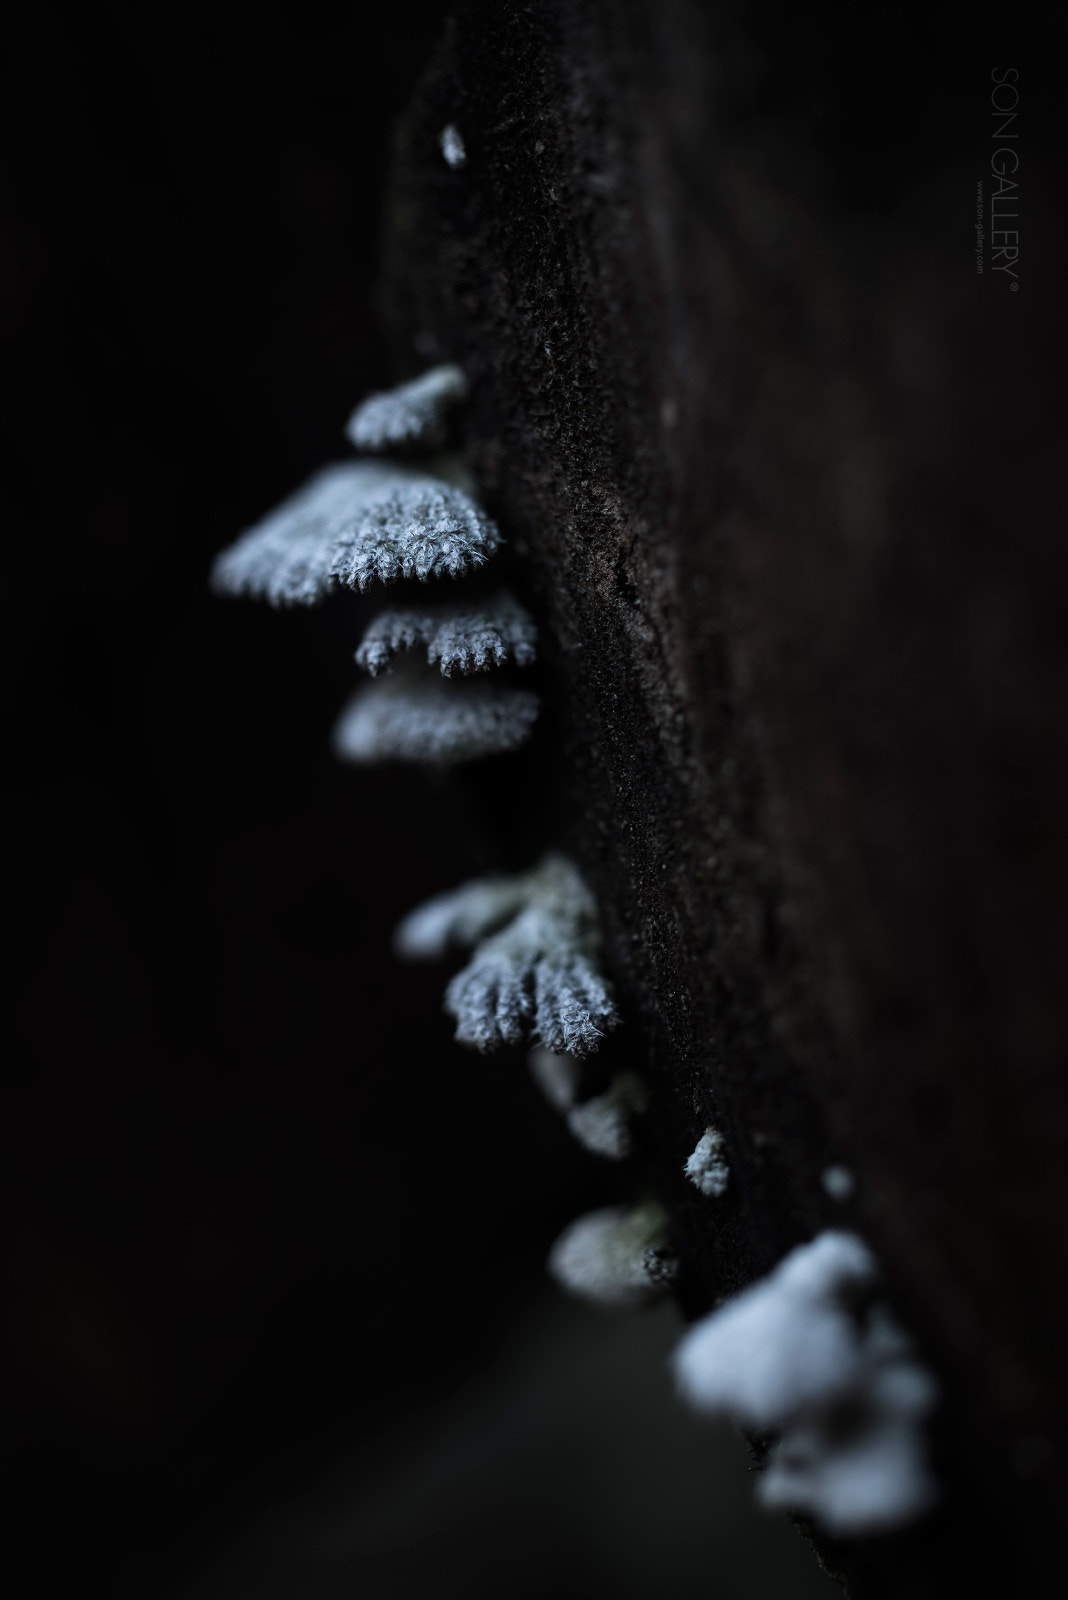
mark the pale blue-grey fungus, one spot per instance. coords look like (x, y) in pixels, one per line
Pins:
(604, 1124)
(559, 1078)
(452, 145)
(355, 524)
(460, 636)
(413, 416)
(417, 717)
(808, 1354)
(707, 1167)
(459, 918)
(618, 1257)
(839, 1183)
(534, 973)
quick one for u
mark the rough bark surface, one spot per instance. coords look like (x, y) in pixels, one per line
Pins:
(735, 401)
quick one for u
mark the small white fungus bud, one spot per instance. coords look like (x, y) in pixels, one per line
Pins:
(452, 146)
(706, 1168)
(617, 1257)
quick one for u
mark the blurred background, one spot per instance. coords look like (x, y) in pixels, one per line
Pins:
(272, 1246)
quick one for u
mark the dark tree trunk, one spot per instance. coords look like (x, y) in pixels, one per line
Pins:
(769, 459)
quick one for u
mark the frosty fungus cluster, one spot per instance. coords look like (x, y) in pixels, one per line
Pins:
(808, 1353)
(361, 523)
(533, 972)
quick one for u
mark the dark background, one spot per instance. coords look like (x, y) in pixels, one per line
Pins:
(242, 1155)
(258, 1208)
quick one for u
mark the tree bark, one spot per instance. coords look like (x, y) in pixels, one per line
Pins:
(740, 406)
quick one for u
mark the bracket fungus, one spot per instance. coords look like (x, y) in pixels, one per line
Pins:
(422, 719)
(358, 523)
(534, 970)
(413, 415)
(810, 1354)
(460, 636)
(792, 1355)
(355, 524)
(603, 1125)
(617, 1257)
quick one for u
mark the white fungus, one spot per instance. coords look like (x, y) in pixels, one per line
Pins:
(838, 1183)
(617, 1257)
(806, 1354)
(355, 524)
(460, 917)
(530, 979)
(535, 976)
(786, 1342)
(558, 1077)
(452, 146)
(706, 1167)
(602, 1125)
(409, 718)
(412, 416)
(462, 636)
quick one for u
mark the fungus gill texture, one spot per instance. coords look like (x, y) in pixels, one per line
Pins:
(460, 636)
(808, 1353)
(534, 970)
(414, 415)
(355, 524)
(616, 1257)
(364, 522)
